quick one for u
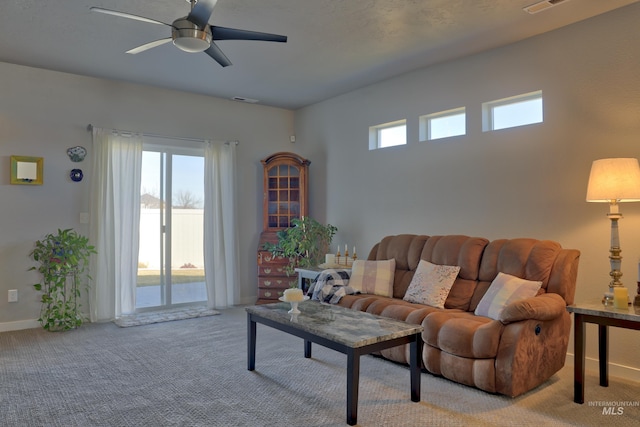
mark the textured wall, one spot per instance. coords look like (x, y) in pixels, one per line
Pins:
(521, 182)
(42, 113)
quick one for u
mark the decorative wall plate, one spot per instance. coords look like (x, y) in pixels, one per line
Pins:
(76, 154)
(76, 175)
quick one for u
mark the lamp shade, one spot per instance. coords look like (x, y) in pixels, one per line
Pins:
(614, 179)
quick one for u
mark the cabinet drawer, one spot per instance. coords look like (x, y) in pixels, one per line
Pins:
(266, 258)
(277, 282)
(271, 270)
(271, 294)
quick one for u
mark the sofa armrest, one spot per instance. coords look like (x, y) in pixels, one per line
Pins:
(542, 307)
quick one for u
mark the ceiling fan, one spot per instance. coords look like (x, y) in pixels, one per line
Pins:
(193, 33)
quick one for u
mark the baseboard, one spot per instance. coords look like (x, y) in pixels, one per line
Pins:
(19, 325)
(615, 370)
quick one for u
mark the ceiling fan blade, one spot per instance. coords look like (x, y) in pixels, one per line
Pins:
(201, 12)
(126, 15)
(148, 46)
(215, 52)
(223, 33)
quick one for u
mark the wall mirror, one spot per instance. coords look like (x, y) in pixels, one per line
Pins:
(26, 170)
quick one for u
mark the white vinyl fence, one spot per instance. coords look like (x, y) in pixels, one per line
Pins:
(187, 232)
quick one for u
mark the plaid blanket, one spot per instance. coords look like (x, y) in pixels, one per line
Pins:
(330, 286)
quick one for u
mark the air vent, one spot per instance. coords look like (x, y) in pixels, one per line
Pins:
(542, 5)
(243, 99)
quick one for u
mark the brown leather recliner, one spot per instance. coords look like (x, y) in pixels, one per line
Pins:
(510, 356)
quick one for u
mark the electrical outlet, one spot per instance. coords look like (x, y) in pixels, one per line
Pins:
(13, 295)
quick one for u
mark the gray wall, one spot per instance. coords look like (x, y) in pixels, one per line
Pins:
(521, 182)
(42, 113)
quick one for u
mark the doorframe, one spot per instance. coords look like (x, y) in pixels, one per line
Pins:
(167, 147)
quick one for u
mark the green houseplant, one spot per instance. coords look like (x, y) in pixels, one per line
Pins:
(304, 244)
(63, 260)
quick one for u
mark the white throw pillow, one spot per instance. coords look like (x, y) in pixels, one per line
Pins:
(373, 277)
(504, 290)
(431, 284)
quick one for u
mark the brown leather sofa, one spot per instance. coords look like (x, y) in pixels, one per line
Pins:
(510, 356)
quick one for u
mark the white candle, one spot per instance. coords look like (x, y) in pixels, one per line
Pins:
(345, 248)
(354, 249)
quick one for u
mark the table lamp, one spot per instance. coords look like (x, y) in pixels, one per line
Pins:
(613, 181)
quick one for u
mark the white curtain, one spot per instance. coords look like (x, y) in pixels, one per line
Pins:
(220, 227)
(115, 222)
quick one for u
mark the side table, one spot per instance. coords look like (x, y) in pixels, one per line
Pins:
(307, 273)
(603, 316)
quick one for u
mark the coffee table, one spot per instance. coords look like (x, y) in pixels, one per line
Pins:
(351, 332)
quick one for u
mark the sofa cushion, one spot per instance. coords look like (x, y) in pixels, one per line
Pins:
(373, 277)
(457, 250)
(504, 290)
(406, 250)
(431, 284)
(530, 259)
(462, 333)
(409, 249)
(410, 313)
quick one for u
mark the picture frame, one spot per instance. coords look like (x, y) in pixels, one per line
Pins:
(27, 170)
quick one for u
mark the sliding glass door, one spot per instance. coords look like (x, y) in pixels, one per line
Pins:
(170, 260)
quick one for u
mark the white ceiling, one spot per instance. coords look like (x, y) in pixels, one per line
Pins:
(334, 46)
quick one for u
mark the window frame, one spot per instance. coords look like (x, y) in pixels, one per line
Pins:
(488, 116)
(375, 137)
(425, 130)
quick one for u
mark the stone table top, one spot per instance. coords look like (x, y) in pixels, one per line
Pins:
(352, 328)
(596, 308)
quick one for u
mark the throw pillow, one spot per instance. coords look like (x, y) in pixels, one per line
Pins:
(504, 290)
(431, 284)
(373, 277)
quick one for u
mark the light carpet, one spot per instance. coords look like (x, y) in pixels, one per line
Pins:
(194, 373)
(149, 317)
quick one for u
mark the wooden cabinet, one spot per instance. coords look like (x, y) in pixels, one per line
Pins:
(285, 190)
(272, 279)
(284, 198)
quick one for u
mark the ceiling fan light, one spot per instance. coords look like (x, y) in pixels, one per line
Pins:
(189, 38)
(191, 44)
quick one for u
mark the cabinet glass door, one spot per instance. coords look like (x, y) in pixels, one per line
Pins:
(283, 192)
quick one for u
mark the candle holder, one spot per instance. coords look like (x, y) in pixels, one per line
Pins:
(341, 259)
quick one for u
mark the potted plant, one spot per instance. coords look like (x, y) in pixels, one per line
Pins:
(304, 244)
(63, 263)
